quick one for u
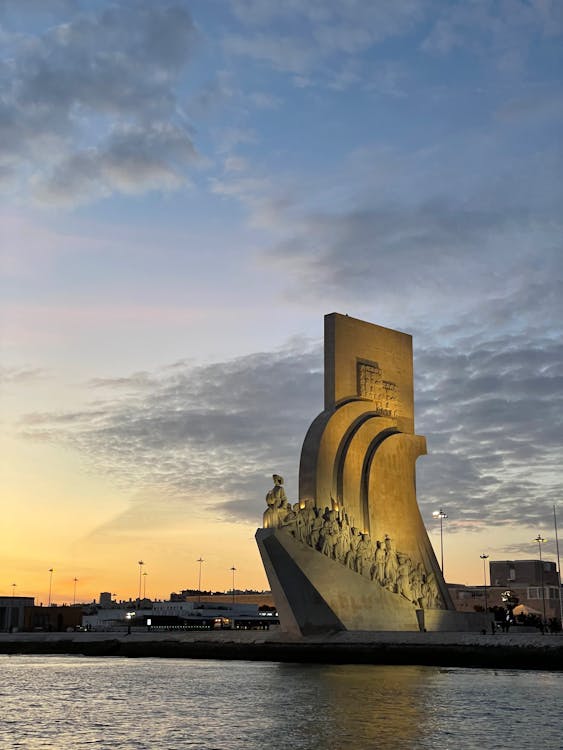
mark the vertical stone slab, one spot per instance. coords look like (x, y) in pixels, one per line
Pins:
(367, 361)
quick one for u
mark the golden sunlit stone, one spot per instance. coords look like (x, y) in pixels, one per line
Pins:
(353, 552)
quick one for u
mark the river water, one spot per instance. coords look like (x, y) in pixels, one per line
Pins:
(79, 703)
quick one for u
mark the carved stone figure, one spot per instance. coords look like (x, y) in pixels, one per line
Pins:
(316, 530)
(309, 516)
(403, 577)
(391, 564)
(330, 534)
(275, 500)
(430, 593)
(364, 555)
(343, 543)
(350, 559)
(416, 579)
(289, 521)
(379, 566)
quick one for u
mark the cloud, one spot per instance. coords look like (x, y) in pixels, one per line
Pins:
(493, 417)
(212, 434)
(501, 31)
(21, 375)
(209, 437)
(308, 35)
(132, 160)
(89, 103)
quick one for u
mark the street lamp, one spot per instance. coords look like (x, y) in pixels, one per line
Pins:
(483, 558)
(13, 589)
(128, 617)
(233, 569)
(540, 540)
(558, 565)
(145, 585)
(441, 515)
(75, 579)
(51, 571)
(200, 560)
(141, 563)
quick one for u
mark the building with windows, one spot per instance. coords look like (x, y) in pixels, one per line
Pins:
(534, 583)
(518, 573)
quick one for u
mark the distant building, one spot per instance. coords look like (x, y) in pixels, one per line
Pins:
(183, 615)
(52, 619)
(12, 612)
(241, 597)
(523, 578)
(512, 573)
(115, 618)
(105, 599)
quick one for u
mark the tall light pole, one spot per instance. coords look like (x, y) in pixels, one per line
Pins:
(13, 589)
(200, 560)
(145, 574)
(233, 569)
(540, 540)
(75, 579)
(51, 571)
(483, 558)
(441, 515)
(558, 567)
(141, 563)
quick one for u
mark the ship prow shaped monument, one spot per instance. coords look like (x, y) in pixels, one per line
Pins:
(353, 553)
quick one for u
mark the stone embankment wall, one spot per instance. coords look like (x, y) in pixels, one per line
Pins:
(500, 651)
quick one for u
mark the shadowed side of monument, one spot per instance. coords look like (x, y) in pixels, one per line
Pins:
(353, 553)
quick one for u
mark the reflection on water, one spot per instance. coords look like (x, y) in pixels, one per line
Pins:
(132, 704)
(377, 704)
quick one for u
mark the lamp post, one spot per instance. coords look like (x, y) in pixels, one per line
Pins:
(558, 566)
(13, 589)
(141, 563)
(233, 569)
(75, 579)
(51, 571)
(200, 560)
(145, 574)
(483, 558)
(540, 540)
(441, 515)
(129, 617)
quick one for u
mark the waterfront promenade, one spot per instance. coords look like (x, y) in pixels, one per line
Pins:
(513, 650)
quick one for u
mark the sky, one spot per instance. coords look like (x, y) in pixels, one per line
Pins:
(187, 188)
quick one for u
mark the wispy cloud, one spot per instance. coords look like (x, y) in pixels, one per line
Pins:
(22, 374)
(90, 103)
(211, 436)
(318, 40)
(215, 432)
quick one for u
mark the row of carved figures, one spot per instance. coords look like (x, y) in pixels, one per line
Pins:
(331, 532)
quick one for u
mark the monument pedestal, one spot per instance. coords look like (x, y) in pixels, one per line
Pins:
(315, 594)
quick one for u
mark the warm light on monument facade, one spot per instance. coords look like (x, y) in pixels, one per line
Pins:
(353, 553)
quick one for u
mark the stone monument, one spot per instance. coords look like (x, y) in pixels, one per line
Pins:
(353, 552)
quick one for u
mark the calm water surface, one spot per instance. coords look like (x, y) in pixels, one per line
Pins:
(172, 704)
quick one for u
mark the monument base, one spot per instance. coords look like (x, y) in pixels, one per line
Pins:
(315, 594)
